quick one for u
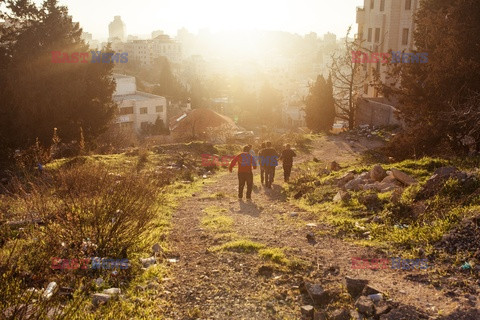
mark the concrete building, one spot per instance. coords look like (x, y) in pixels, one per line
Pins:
(140, 51)
(137, 109)
(146, 51)
(383, 26)
(117, 29)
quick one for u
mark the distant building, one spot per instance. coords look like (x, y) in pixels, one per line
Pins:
(140, 51)
(330, 38)
(157, 33)
(146, 51)
(117, 29)
(137, 109)
(164, 46)
(293, 115)
(383, 26)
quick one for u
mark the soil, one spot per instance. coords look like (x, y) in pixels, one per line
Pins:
(234, 285)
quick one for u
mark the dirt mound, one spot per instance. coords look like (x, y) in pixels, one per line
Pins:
(465, 237)
(437, 181)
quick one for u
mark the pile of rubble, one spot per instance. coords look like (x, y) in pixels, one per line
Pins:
(370, 303)
(377, 179)
(370, 132)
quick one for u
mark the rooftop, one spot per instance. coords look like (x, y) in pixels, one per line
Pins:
(137, 96)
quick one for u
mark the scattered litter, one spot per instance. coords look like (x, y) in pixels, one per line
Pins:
(466, 266)
(376, 297)
(51, 288)
(312, 225)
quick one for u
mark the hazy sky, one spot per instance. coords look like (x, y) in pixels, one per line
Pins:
(144, 16)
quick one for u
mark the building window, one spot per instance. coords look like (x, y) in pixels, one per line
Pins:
(369, 34)
(382, 5)
(124, 111)
(144, 110)
(159, 109)
(405, 37)
(372, 4)
(377, 34)
(408, 4)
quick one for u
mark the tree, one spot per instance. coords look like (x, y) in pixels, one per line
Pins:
(348, 80)
(38, 95)
(435, 96)
(166, 83)
(320, 105)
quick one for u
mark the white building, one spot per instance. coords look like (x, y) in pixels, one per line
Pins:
(137, 109)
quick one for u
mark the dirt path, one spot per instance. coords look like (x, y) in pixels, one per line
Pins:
(238, 285)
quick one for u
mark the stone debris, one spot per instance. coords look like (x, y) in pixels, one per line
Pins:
(147, 262)
(355, 286)
(100, 298)
(403, 177)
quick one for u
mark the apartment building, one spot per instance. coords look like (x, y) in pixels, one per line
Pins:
(383, 25)
(137, 109)
(146, 51)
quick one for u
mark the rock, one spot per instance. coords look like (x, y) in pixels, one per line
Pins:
(333, 166)
(311, 225)
(156, 248)
(344, 179)
(354, 185)
(402, 313)
(396, 196)
(293, 214)
(112, 291)
(355, 315)
(370, 290)
(340, 314)
(390, 179)
(403, 177)
(310, 237)
(371, 201)
(437, 181)
(382, 309)
(365, 306)
(317, 293)
(100, 298)
(378, 173)
(50, 291)
(342, 196)
(319, 315)
(147, 262)
(355, 286)
(364, 176)
(307, 312)
(99, 282)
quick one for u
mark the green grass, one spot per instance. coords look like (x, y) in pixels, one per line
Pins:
(216, 221)
(242, 245)
(442, 213)
(274, 254)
